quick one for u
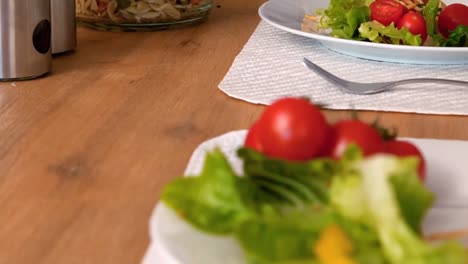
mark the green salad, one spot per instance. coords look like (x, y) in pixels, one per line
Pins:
(400, 22)
(353, 210)
(315, 192)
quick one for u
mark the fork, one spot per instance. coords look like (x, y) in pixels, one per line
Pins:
(371, 88)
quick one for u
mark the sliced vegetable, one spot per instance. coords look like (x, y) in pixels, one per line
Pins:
(334, 246)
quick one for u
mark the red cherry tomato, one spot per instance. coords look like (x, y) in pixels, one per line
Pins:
(363, 135)
(405, 149)
(452, 16)
(387, 11)
(415, 24)
(253, 138)
(293, 129)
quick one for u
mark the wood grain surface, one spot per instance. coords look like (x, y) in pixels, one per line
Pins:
(85, 151)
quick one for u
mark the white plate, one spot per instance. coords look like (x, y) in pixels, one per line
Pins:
(287, 15)
(176, 242)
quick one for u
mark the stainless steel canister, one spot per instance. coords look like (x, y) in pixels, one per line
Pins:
(25, 39)
(63, 25)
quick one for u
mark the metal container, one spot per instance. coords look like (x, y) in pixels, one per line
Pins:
(25, 39)
(63, 26)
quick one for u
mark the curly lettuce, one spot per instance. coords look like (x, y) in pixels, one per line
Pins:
(280, 211)
(376, 32)
(378, 194)
(343, 17)
(457, 37)
(213, 201)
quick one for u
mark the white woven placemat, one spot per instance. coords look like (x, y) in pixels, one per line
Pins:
(270, 66)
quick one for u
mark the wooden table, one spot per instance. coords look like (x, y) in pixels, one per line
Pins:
(85, 151)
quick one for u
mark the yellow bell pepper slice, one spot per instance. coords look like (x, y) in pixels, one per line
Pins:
(334, 247)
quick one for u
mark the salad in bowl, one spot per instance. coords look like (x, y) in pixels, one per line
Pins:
(312, 192)
(400, 22)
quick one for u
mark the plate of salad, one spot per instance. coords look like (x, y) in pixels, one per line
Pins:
(295, 189)
(403, 31)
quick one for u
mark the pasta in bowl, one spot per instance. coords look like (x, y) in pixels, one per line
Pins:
(134, 15)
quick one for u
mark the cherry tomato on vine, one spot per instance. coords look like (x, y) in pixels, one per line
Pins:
(415, 24)
(253, 138)
(346, 132)
(405, 149)
(293, 129)
(452, 16)
(387, 11)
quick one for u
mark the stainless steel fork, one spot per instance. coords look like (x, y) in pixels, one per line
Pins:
(371, 88)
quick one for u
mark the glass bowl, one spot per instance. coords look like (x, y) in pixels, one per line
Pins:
(140, 15)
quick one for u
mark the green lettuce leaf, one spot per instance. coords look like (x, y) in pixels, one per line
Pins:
(278, 209)
(285, 183)
(218, 201)
(376, 32)
(283, 239)
(458, 37)
(430, 12)
(288, 236)
(291, 238)
(347, 197)
(343, 17)
(367, 248)
(413, 198)
(213, 201)
(372, 190)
